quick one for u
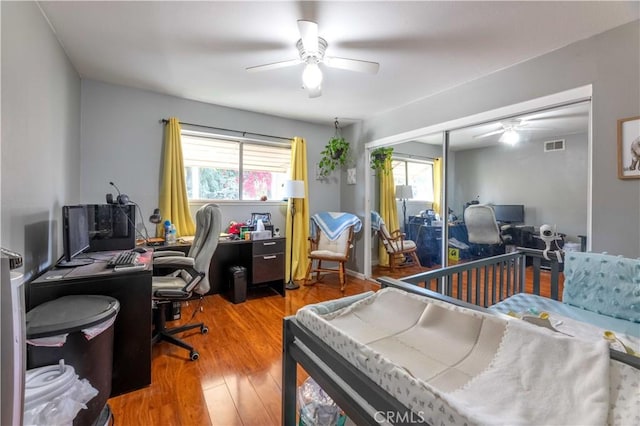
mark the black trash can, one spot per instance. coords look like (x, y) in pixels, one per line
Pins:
(237, 292)
(90, 354)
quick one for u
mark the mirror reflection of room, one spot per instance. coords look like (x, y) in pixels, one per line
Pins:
(531, 169)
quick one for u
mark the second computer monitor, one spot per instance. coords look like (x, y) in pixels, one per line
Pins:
(509, 213)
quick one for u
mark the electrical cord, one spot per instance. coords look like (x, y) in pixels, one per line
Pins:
(143, 224)
(145, 236)
(197, 309)
(135, 229)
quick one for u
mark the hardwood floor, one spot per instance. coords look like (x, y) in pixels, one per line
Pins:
(237, 379)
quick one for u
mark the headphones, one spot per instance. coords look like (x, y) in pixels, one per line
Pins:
(122, 199)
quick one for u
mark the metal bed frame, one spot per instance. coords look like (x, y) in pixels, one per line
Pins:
(364, 402)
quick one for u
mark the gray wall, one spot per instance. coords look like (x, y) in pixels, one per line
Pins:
(122, 142)
(551, 185)
(40, 136)
(611, 63)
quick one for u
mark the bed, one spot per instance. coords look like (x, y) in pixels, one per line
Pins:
(374, 355)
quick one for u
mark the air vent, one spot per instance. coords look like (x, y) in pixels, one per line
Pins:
(557, 145)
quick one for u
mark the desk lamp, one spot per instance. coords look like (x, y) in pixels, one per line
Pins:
(293, 189)
(404, 193)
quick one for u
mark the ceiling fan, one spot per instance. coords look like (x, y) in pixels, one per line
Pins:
(311, 49)
(510, 130)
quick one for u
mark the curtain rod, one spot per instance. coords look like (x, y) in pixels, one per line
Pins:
(409, 156)
(165, 121)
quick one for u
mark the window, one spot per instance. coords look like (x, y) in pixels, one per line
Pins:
(418, 174)
(221, 169)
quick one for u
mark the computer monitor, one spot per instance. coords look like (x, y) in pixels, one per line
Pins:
(111, 227)
(75, 235)
(509, 213)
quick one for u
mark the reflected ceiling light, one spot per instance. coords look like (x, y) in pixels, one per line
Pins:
(312, 76)
(510, 137)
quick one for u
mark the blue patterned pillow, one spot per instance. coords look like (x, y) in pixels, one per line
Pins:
(605, 284)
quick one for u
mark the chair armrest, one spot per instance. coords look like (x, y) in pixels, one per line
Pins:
(174, 262)
(313, 242)
(168, 293)
(397, 235)
(165, 253)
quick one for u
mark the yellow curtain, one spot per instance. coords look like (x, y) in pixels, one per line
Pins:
(388, 207)
(437, 186)
(174, 205)
(301, 225)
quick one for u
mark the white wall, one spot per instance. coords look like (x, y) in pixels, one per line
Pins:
(40, 136)
(122, 142)
(610, 62)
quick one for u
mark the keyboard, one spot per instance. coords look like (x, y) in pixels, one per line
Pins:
(123, 258)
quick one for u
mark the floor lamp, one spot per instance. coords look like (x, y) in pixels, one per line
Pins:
(404, 193)
(293, 189)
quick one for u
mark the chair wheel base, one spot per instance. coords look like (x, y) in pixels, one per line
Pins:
(204, 329)
(193, 355)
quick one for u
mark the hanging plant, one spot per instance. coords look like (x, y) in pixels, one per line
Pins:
(334, 154)
(379, 157)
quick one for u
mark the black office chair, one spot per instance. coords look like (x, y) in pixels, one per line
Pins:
(483, 230)
(190, 274)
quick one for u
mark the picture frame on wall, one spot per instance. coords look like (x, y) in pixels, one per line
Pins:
(629, 148)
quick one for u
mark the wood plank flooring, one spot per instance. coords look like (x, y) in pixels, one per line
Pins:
(237, 379)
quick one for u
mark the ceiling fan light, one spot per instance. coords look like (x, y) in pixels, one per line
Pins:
(510, 137)
(312, 76)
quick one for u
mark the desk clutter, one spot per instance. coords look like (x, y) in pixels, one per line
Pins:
(428, 238)
(258, 227)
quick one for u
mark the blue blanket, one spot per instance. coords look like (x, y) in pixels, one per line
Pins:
(334, 223)
(376, 220)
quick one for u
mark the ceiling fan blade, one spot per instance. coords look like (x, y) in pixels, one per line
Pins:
(274, 65)
(352, 64)
(315, 92)
(484, 135)
(309, 35)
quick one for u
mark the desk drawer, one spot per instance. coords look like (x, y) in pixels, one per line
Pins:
(268, 267)
(268, 247)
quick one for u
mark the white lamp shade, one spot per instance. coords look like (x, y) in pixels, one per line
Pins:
(294, 189)
(404, 192)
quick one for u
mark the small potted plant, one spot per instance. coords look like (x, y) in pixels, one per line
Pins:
(334, 155)
(379, 157)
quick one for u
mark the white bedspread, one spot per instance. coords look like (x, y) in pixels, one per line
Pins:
(540, 377)
(454, 366)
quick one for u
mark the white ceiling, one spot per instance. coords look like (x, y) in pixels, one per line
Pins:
(199, 50)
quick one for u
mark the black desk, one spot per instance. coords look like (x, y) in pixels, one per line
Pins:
(132, 329)
(264, 260)
(428, 239)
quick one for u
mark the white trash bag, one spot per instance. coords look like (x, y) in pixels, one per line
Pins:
(54, 395)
